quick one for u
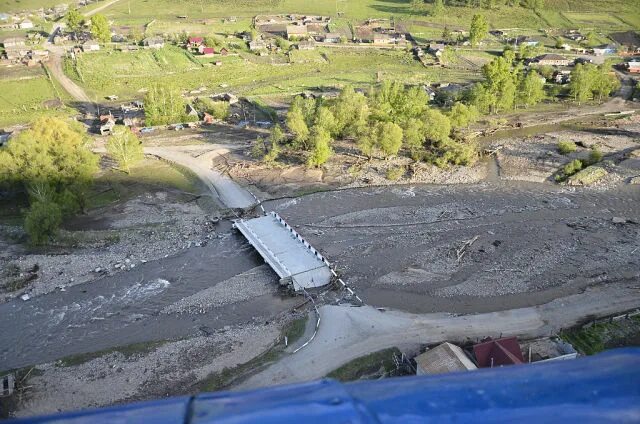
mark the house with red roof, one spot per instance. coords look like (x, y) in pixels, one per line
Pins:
(195, 42)
(493, 353)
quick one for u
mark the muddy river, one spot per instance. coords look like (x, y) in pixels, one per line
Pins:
(125, 308)
(399, 247)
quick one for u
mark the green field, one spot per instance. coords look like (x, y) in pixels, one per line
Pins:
(26, 93)
(125, 74)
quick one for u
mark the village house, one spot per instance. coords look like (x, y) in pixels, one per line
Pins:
(603, 50)
(498, 352)
(552, 60)
(107, 122)
(206, 51)
(15, 53)
(225, 97)
(90, 46)
(257, 44)
(443, 359)
(436, 49)
(331, 37)
(13, 42)
(297, 31)
(26, 24)
(153, 42)
(562, 77)
(195, 42)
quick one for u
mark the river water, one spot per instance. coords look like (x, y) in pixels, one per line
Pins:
(125, 308)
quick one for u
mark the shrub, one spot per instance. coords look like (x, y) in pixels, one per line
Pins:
(565, 147)
(217, 109)
(394, 174)
(595, 156)
(572, 167)
(42, 221)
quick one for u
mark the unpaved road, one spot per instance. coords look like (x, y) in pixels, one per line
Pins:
(230, 193)
(55, 67)
(347, 333)
(100, 8)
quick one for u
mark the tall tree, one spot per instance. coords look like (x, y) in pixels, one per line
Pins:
(74, 20)
(100, 28)
(437, 125)
(581, 82)
(125, 148)
(351, 112)
(479, 29)
(326, 120)
(53, 162)
(298, 126)
(413, 134)
(531, 89)
(163, 104)
(462, 115)
(321, 140)
(438, 7)
(389, 138)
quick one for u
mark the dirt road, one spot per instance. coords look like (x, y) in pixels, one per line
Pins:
(228, 191)
(347, 333)
(100, 8)
(55, 67)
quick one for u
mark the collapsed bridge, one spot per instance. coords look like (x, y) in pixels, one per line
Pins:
(295, 261)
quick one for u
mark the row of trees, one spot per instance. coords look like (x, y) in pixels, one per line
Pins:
(390, 118)
(164, 104)
(99, 25)
(506, 86)
(591, 81)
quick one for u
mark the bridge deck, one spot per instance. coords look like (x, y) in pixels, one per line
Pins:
(286, 251)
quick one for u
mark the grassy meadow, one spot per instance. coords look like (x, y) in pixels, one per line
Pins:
(27, 93)
(125, 74)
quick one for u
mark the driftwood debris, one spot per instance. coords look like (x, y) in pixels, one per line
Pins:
(462, 250)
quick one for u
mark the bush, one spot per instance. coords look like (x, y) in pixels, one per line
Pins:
(565, 147)
(595, 156)
(572, 167)
(217, 109)
(42, 221)
(394, 174)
